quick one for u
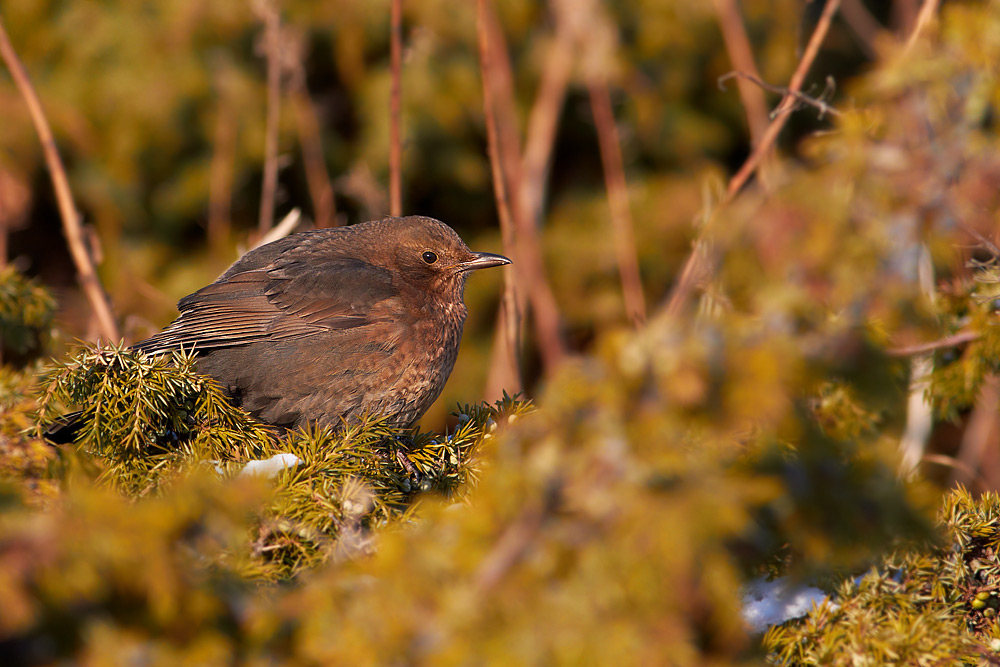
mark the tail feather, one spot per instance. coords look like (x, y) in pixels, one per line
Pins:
(64, 430)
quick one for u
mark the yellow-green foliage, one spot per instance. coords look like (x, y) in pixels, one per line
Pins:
(935, 606)
(25, 310)
(146, 420)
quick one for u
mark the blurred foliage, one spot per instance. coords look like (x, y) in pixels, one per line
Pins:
(664, 466)
(25, 311)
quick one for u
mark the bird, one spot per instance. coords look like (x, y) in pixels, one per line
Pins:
(327, 325)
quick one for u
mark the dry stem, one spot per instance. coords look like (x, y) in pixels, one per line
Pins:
(543, 122)
(927, 11)
(741, 56)
(981, 429)
(533, 283)
(220, 174)
(524, 175)
(395, 142)
(272, 48)
(511, 314)
(864, 25)
(817, 103)
(954, 340)
(794, 86)
(67, 209)
(621, 215)
(311, 142)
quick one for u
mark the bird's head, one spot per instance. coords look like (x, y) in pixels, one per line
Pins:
(429, 253)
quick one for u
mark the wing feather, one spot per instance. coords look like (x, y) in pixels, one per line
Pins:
(302, 292)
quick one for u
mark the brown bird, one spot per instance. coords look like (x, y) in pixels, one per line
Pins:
(333, 323)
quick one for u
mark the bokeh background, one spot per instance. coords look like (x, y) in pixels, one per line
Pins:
(815, 395)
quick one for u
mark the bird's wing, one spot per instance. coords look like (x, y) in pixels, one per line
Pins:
(293, 297)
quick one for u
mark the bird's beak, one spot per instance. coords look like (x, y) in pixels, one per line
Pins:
(483, 260)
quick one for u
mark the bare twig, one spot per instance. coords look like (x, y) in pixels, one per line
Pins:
(317, 176)
(987, 653)
(524, 175)
(67, 209)
(982, 427)
(741, 56)
(311, 143)
(955, 464)
(509, 549)
(794, 86)
(505, 113)
(863, 24)
(272, 49)
(220, 174)
(927, 12)
(904, 14)
(395, 142)
(818, 103)
(515, 541)
(694, 267)
(954, 340)
(504, 360)
(980, 238)
(533, 284)
(509, 304)
(621, 215)
(544, 119)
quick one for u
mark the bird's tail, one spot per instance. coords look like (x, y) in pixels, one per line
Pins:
(63, 430)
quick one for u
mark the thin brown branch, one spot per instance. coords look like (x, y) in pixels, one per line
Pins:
(524, 179)
(981, 428)
(543, 121)
(794, 86)
(986, 243)
(505, 113)
(515, 541)
(621, 215)
(272, 50)
(954, 340)
(928, 11)
(395, 141)
(862, 24)
(504, 360)
(67, 208)
(694, 268)
(509, 549)
(311, 143)
(741, 56)
(987, 653)
(220, 173)
(509, 305)
(955, 464)
(818, 103)
(904, 16)
(533, 283)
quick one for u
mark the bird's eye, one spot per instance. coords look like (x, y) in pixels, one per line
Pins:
(429, 257)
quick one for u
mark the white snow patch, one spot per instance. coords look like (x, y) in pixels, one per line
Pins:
(270, 467)
(767, 603)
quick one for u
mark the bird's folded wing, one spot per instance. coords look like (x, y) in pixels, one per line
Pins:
(292, 298)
